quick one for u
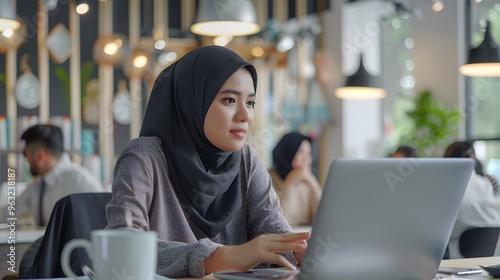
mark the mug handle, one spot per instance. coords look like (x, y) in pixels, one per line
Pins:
(66, 254)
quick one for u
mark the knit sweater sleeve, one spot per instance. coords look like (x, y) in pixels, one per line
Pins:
(264, 212)
(136, 188)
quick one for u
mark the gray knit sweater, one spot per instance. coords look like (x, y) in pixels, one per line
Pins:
(142, 184)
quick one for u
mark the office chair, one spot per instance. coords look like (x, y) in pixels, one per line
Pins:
(73, 216)
(479, 242)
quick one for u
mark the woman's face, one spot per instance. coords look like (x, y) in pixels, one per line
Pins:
(302, 159)
(231, 114)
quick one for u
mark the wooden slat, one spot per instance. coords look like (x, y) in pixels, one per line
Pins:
(75, 73)
(43, 61)
(134, 82)
(187, 14)
(106, 147)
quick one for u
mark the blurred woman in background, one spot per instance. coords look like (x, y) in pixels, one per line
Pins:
(297, 187)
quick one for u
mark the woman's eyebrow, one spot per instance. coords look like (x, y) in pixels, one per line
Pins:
(232, 91)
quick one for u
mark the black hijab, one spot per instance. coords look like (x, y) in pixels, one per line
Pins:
(285, 151)
(205, 178)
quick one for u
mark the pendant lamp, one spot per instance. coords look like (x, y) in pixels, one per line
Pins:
(8, 16)
(483, 60)
(225, 18)
(360, 85)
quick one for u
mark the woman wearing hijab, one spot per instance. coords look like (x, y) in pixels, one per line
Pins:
(298, 189)
(191, 176)
(478, 208)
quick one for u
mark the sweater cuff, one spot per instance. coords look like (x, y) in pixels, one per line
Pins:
(196, 258)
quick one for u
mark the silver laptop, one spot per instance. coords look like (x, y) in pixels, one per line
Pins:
(380, 219)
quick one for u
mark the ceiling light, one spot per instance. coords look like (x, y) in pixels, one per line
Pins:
(360, 85)
(437, 5)
(257, 51)
(140, 61)
(483, 60)
(8, 16)
(160, 44)
(225, 18)
(110, 49)
(135, 65)
(82, 8)
(8, 33)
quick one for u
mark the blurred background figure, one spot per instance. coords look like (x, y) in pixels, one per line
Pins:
(297, 187)
(404, 151)
(478, 208)
(480, 171)
(54, 175)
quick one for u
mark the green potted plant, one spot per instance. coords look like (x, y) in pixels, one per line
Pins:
(85, 75)
(433, 126)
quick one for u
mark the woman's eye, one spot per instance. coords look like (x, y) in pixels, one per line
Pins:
(229, 100)
(251, 103)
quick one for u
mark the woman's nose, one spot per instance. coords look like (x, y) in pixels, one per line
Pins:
(243, 114)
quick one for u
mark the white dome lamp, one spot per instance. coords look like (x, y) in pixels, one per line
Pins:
(225, 18)
(8, 16)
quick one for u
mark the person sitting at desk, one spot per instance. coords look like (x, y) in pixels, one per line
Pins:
(191, 177)
(54, 175)
(478, 207)
(297, 187)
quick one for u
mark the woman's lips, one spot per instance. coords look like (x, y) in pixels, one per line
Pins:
(239, 132)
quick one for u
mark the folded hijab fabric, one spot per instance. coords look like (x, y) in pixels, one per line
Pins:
(285, 151)
(205, 178)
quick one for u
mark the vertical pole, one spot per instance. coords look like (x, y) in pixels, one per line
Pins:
(106, 96)
(187, 14)
(301, 10)
(134, 82)
(43, 62)
(261, 12)
(10, 82)
(75, 82)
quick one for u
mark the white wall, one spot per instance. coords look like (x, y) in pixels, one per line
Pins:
(439, 51)
(362, 120)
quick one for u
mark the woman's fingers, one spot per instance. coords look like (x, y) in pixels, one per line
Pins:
(289, 237)
(280, 243)
(285, 247)
(265, 248)
(279, 260)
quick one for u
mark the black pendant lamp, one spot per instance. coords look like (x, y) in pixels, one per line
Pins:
(361, 85)
(483, 60)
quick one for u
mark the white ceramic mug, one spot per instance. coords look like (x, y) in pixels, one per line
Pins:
(116, 254)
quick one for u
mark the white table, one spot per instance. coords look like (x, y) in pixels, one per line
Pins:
(22, 235)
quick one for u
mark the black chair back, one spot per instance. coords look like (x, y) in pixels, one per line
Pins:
(479, 242)
(73, 216)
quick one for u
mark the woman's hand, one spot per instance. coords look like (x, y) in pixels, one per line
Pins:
(263, 248)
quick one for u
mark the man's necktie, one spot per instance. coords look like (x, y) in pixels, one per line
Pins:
(41, 220)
